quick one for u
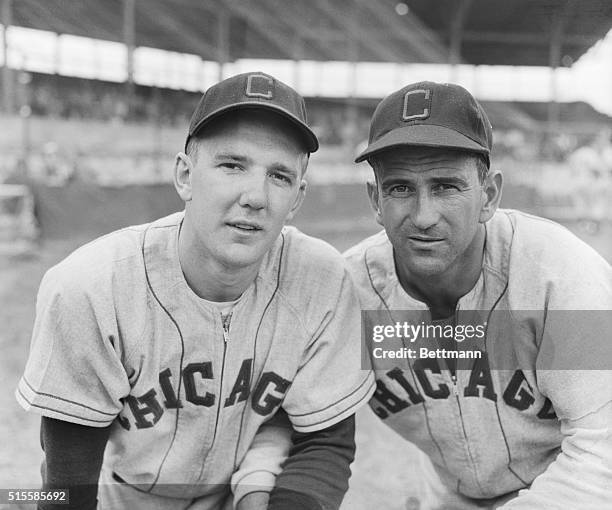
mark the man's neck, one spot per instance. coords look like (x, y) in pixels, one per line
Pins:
(442, 292)
(208, 278)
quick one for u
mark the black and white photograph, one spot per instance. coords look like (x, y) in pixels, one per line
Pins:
(317, 255)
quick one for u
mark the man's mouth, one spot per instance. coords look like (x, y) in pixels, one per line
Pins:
(245, 226)
(421, 242)
(425, 239)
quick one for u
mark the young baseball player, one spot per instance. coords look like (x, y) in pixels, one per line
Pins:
(164, 356)
(530, 423)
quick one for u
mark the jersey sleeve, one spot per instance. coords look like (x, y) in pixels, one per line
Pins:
(73, 372)
(574, 370)
(264, 459)
(574, 363)
(582, 471)
(331, 383)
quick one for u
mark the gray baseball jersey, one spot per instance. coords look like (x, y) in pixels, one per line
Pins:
(508, 421)
(121, 339)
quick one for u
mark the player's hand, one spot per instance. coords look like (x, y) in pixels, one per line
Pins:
(254, 501)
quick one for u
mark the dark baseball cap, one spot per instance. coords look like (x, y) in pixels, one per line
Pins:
(429, 114)
(252, 90)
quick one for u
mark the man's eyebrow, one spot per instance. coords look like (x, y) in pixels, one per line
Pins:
(403, 179)
(450, 179)
(397, 179)
(281, 167)
(228, 155)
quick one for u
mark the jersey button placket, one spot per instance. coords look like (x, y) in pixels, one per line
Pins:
(222, 333)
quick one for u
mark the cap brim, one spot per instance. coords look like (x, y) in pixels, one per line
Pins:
(312, 143)
(422, 135)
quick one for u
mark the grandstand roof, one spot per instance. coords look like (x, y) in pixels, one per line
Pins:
(519, 32)
(510, 32)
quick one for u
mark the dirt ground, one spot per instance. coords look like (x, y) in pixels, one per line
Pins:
(385, 471)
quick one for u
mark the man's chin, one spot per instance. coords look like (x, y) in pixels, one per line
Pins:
(424, 265)
(427, 271)
(242, 253)
(241, 256)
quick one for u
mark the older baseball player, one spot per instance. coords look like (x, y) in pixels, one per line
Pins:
(164, 354)
(528, 425)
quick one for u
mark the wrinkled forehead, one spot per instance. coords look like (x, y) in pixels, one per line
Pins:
(419, 159)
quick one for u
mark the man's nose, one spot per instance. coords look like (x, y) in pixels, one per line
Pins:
(425, 212)
(255, 191)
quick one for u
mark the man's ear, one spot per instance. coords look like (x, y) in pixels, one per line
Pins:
(299, 200)
(375, 201)
(492, 192)
(183, 174)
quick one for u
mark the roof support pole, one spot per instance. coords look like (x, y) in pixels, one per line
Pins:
(351, 114)
(456, 37)
(298, 52)
(222, 40)
(129, 39)
(554, 59)
(557, 36)
(8, 84)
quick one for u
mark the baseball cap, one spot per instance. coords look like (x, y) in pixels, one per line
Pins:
(252, 90)
(430, 114)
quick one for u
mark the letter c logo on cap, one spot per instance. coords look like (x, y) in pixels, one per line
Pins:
(417, 104)
(259, 85)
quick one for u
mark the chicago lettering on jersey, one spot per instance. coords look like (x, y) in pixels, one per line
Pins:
(388, 400)
(148, 408)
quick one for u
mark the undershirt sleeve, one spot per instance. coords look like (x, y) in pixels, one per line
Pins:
(315, 475)
(73, 459)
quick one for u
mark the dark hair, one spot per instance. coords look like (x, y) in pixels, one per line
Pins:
(193, 146)
(481, 161)
(482, 165)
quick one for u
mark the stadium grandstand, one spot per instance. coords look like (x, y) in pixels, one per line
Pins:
(118, 121)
